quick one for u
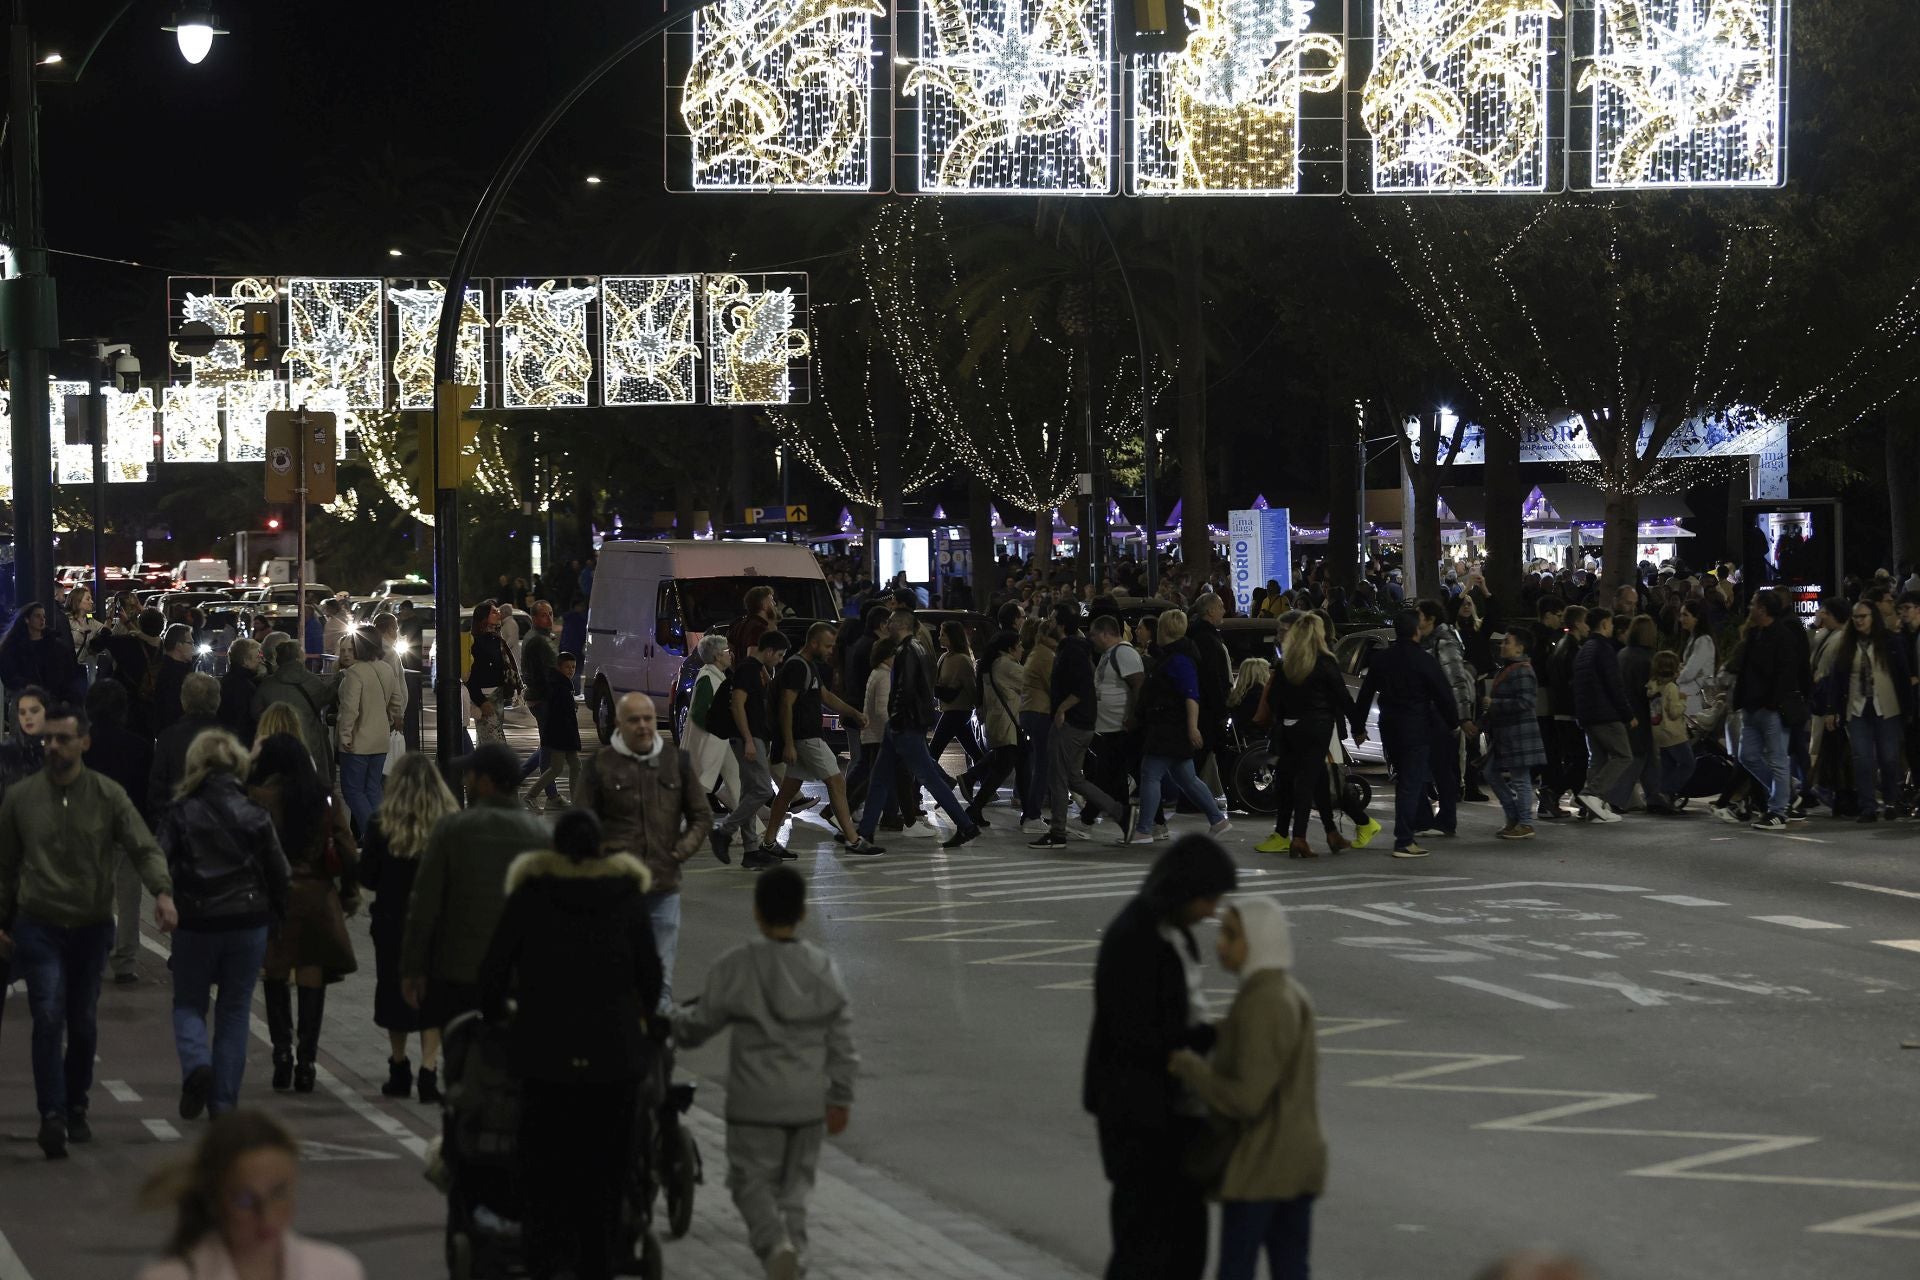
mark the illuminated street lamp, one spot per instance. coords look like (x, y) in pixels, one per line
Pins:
(195, 28)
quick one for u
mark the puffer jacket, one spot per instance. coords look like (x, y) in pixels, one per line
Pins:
(1444, 643)
(227, 865)
(1000, 701)
(653, 809)
(372, 702)
(792, 1054)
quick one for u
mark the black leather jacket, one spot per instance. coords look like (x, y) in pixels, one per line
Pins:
(227, 867)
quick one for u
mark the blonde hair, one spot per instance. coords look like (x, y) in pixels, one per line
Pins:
(277, 718)
(213, 753)
(1254, 671)
(1305, 643)
(416, 798)
(1172, 626)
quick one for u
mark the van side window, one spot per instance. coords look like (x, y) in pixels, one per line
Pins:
(667, 630)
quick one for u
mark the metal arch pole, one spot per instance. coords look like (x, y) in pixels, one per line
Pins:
(446, 542)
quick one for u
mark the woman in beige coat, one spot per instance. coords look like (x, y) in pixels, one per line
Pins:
(373, 702)
(1261, 1089)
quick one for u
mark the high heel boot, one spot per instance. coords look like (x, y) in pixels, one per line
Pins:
(313, 1006)
(279, 1001)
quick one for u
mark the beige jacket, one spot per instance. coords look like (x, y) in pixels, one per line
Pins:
(1037, 694)
(373, 701)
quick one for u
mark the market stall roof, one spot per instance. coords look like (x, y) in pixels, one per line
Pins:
(1584, 504)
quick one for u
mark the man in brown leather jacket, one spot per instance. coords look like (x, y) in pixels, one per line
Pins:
(650, 805)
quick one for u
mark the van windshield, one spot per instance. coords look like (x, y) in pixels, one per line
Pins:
(708, 604)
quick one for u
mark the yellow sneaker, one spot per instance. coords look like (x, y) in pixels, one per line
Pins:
(1365, 834)
(1276, 843)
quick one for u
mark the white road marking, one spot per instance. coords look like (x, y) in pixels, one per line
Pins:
(1494, 988)
(1877, 888)
(1686, 900)
(1798, 922)
(1755, 988)
(1646, 997)
(1540, 884)
(327, 1151)
(162, 1130)
(1369, 916)
(1807, 839)
(11, 1268)
(1900, 944)
(1422, 916)
(120, 1090)
(1414, 950)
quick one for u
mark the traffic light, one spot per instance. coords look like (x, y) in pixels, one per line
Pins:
(458, 439)
(1150, 26)
(273, 524)
(260, 332)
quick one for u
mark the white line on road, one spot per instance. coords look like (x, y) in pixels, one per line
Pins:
(120, 1090)
(1900, 944)
(1686, 900)
(1537, 884)
(11, 1268)
(1494, 988)
(1798, 922)
(1274, 892)
(1751, 988)
(162, 1130)
(1877, 888)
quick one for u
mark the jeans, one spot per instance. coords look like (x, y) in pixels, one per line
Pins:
(1676, 769)
(1764, 754)
(1155, 771)
(1611, 761)
(756, 790)
(908, 748)
(1066, 774)
(230, 960)
(956, 726)
(1284, 1227)
(1038, 726)
(1514, 787)
(663, 911)
(1875, 739)
(62, 967)
(362, 781)
(1412, 760)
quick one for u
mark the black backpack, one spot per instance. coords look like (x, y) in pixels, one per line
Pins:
(719, 721)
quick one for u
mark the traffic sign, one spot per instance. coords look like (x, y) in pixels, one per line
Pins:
(794, 514)
(286, 449)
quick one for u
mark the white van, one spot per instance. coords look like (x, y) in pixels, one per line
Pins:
(653, 601)
(203, 572)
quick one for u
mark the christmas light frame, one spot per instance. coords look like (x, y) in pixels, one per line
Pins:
(415, 307)
(245, 406)
(190, 422)
(546, 352)
(220, 308)
(335, 338)
(649, 340)
(757, 339)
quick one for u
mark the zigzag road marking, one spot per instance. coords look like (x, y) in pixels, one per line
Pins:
(1698, 1168)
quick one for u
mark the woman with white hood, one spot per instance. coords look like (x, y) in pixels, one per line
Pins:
(713, 762)
(1260, 1086)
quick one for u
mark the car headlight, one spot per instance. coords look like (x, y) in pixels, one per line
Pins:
(401, 645)
(205, 649)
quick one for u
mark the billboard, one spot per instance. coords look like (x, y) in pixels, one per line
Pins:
(1259, 551)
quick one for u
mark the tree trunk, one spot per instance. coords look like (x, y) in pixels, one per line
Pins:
(980, 542)
(1190, 428)
(741, 425)
(1620, 547)
(1506, 537)
(1903, 468)
(1346, 438)
(1043, 542)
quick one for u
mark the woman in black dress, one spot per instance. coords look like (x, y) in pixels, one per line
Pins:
(416, 798)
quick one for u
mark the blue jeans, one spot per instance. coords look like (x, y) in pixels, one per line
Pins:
(1676, 769)
(1155, 771)
(907, 748)
(62, 967)
(362, 781)
(1412, 769)
(663, 911)
(1875, 739)
(1514, 787)
(1283, 1227)
(1764, 754)
(230, 960)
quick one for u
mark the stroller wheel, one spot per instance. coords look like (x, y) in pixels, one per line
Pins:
(682, 1172)
(1253, 782)
(1358, 791)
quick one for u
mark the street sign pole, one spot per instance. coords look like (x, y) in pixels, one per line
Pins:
(300, 541)
(97, 434)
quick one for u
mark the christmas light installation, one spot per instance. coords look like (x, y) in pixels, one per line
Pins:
(417, 315)
(1457, 99)
(648, 347)
(778, 95)
(546, 362)
(1686, 93)
(225, 361)
(72, 463)
(335, 338)
(1014, 95)
(129, 434)
(247, 404)
(755, 335)
(190, 423)
(1224, 115)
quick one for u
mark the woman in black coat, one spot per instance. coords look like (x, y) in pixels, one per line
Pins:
(1307, 703)
(238, 687)
(575, 949)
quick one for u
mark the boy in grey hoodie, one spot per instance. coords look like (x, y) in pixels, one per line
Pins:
(790, 1066)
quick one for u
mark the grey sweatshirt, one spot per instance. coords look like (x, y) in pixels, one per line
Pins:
(792, 1054)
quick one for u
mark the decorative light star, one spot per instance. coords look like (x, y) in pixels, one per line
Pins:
(649, 349)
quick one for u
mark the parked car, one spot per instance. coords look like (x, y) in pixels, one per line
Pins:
(151, 573)
(408, 586)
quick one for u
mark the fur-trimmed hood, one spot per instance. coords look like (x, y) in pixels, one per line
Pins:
(547, 864)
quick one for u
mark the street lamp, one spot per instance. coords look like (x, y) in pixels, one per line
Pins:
(195, 28)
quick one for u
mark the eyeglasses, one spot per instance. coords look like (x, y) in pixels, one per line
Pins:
(255, 1202)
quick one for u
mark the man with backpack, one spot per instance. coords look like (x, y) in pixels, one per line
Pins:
(910, 717)
(1075, 715)
(1117, 677)
(799, 692)
(740, 711)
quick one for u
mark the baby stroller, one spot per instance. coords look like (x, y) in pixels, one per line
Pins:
(1254, 782)
(478, 1150)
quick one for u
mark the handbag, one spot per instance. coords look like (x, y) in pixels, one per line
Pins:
(396, 747)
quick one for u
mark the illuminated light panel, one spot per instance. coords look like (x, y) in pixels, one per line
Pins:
(316, 398)
(778, 95)
(755, 332)
(648, 347)
(247, 405)
(546, 362)
(1224, 115)
(190, 424)
(1014, 95)
(334, 338)
(72, 463)
(418, 313)
(1686, 93)
(227, 361)
(1457, 100)
(129, 435)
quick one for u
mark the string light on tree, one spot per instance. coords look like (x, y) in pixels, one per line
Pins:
(649, 349)
(755, 338)
(417, 311)
(778, 95)
(335, 340)
(545, 360)
(190, 423)
(1686, 93)
(1457, 99)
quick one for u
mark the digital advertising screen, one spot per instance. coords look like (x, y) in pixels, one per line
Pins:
(911, 556)
(1793, 546)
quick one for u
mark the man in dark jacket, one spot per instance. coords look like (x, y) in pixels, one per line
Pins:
(538, 657)
(1543, 633)
(1776, 675)
(1569, 744)
(1215, 666)
(176, 664)
(133, 646)
(1418, 719)
(199, 711)
(1145, 1008)
(119, 753)
(1075, 708)
(910, 716)
(1600, 705)
(856, 666)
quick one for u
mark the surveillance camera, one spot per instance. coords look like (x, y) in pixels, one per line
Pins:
(126, 372)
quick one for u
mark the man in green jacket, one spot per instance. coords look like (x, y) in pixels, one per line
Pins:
(61, 832)
(460, 890)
